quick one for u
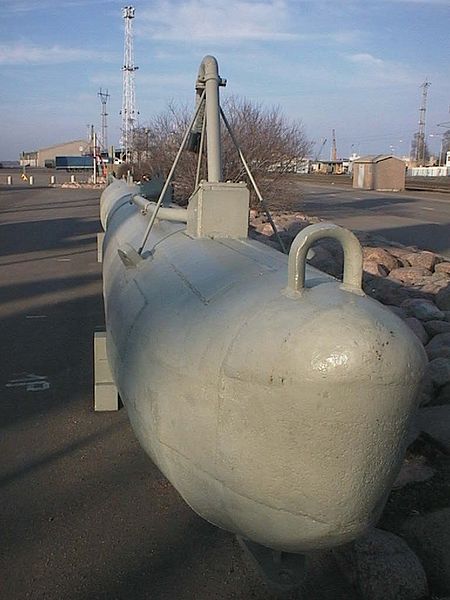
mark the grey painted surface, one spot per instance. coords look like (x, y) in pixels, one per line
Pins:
(208, 76)
(218, 210)
(281, 419)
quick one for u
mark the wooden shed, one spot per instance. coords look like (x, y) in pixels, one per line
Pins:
(381, 172)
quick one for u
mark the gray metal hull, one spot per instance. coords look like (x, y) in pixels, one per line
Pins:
(280, 419)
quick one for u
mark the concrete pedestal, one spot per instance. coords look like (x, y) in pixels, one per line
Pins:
(105, 391)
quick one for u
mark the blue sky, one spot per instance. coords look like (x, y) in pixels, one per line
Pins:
(355, 66)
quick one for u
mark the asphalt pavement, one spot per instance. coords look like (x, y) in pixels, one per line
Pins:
(419, 219)
(84, 513)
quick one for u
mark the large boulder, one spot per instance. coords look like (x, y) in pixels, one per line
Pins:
(434, 284)
(400, 252)
(325, 261)
(414, 470)
(443, 396)
(425, 259)
(372, 267)
(426, 391)
(381, 566)
(382, 257)
(386, 291)
(410, 275)
(429, 537)
(439, 346)
(436, 327)
(422, 309)
(443, 298)
(439, 371)
(435, 422)
(416, 326)
(443, 267)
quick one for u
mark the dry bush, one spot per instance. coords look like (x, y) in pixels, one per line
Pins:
(270, 142)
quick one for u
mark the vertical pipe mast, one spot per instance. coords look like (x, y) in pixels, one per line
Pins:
(208, 77)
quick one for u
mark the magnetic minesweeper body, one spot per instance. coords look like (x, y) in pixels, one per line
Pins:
(275, 398)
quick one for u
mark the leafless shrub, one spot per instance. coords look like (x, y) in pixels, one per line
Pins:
(271, 144)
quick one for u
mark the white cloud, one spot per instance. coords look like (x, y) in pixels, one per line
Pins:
(26, 6)
(376, 70)
(211, 20)
(366, 59)
(20, 53)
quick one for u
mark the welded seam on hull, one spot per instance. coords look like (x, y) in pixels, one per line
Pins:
(135, 320)
(227, 487)
(188, 284)
(259, 262)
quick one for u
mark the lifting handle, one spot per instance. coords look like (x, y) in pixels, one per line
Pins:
(353, 258)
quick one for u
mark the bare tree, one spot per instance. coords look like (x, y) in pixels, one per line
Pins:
(271, 143)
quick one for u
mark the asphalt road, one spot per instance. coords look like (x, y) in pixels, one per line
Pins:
(41, 177)
(84, 513)
(420, 219)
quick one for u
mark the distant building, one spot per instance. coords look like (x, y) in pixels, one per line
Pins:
(381, 172)
(38, 158)
(329, 167)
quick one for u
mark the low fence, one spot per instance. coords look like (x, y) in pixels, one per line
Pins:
(429, 172)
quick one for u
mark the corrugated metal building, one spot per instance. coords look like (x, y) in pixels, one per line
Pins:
(37, 158)
(381, 172)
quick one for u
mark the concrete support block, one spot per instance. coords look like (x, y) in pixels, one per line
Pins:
(218, 210)
(105, 392)
(9, 180)
(52, 179)
(31, 180)
(72, 179)
(100, 238)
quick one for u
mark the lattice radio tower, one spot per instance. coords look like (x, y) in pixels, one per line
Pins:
(420, 142)
(129, 113)
(104, 96)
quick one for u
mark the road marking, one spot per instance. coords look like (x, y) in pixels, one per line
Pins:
(30, 381)
(36, 317)
(63, 259)
(427, 208)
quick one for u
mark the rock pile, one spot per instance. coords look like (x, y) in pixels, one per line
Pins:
(415, 285)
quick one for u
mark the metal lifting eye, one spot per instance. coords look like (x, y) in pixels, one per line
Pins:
(353, 258)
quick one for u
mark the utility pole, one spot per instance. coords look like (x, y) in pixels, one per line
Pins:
(90, 137)
(94, 157)
(104, 96)
(419, 150)
(333, 146)
(129, 113)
